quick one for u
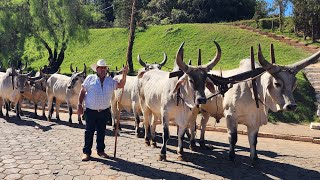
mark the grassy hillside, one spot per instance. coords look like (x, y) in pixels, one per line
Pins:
(111, 44)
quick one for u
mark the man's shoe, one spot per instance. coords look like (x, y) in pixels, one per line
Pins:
(102, 154)
(85, 157)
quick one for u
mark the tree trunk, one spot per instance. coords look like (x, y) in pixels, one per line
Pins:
(131, 38)
(55, 61)
(281, 19)
(305, 32)
(313, 34)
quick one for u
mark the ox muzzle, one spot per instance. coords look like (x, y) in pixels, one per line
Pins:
(201, 100)
(290, 107)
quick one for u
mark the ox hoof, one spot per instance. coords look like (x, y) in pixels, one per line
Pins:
(232, 157)
(254, 162)
(80, 122)
(193, 147)
(136, 134)
(147, 143)
(203, 146)
(162, 157)
(154, 145)
(180, 158)
(35, 116)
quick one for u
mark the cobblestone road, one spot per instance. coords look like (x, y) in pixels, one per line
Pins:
(37, 149)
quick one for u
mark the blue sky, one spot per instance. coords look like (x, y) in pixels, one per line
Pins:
(288, 10)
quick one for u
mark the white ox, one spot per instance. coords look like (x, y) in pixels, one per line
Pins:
(158, 97)
(65, 89)
(238, 106)
(12, 85)
(130, 97)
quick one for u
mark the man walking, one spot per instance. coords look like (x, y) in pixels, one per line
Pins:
(96, 92)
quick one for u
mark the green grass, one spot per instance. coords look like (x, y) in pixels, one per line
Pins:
(111, 44)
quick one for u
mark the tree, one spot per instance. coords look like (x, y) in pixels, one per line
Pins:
(281, 5)
(102, 12)
(261, 11)
(14, 29)
(122, 13)
(306, 16)
(131, 35)
(55, 23)
(197, 11)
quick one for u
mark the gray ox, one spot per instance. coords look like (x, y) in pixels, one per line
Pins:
(274, 88)
(12, 85)
(158, 96)
(130, 99)
(65, 89)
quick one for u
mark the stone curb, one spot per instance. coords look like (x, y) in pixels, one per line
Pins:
(224, 130)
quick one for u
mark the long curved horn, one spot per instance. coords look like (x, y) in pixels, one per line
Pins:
(216, 59)
(273, 59)
(57, 72)
(296, 67)
(84, 69)
(164, 61)
(24, 67)
(15, 72)
(71, 69)
(199, 57)
(265, 64)
(179, 60)
(41, 73)
(141, 62)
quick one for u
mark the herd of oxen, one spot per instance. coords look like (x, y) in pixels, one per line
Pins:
(243, 95)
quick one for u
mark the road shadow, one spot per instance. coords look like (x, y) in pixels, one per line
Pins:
(25, 121)
(141, 170)
(215, 161)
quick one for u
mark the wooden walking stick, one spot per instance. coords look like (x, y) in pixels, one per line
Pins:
(129, 55)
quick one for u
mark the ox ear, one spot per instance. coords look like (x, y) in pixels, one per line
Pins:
(141, 73)
(210, 85)
(69, 84)
(180, 83)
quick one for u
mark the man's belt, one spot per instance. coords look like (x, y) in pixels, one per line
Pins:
(97, 110)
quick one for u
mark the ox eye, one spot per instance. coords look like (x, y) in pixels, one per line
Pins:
(278, 85)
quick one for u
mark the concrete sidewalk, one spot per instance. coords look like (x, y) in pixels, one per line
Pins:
(279, 130)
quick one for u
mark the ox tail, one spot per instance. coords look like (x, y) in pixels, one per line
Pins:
(53, 103)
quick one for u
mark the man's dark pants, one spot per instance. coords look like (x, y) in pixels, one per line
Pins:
(95, 121)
